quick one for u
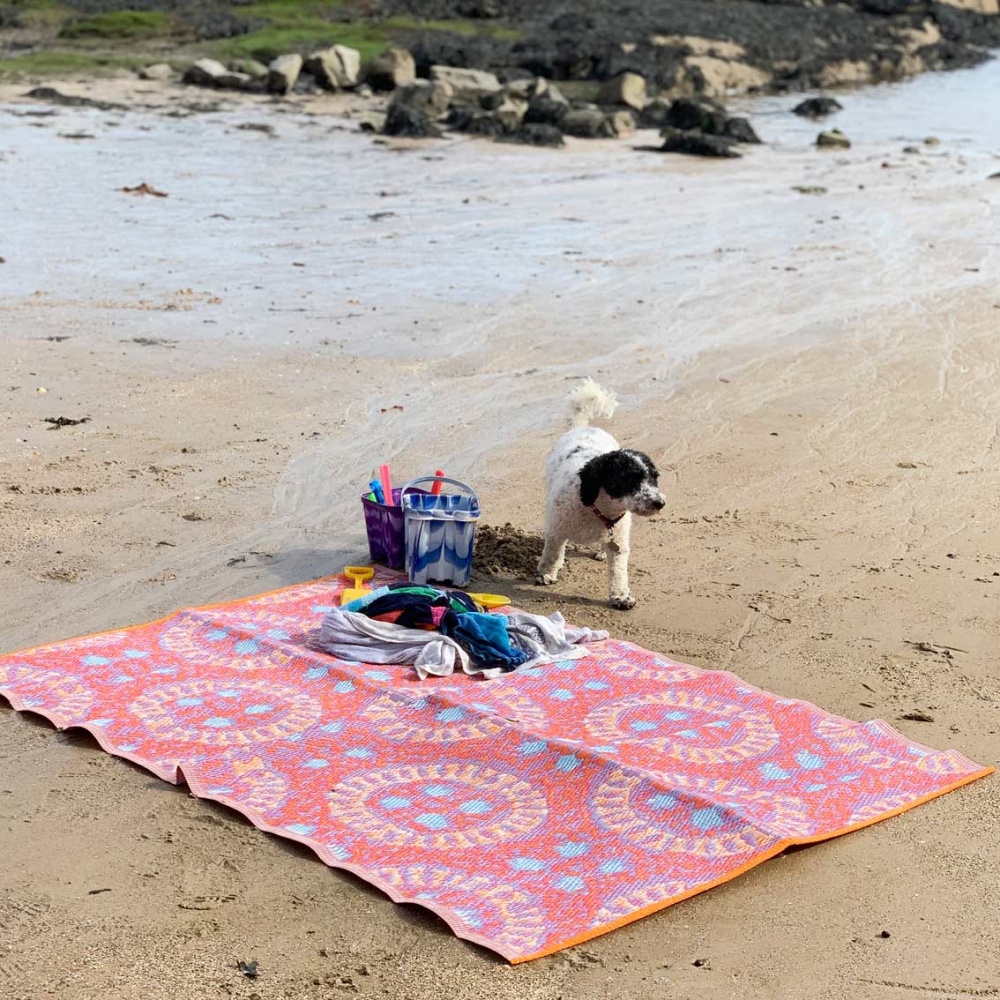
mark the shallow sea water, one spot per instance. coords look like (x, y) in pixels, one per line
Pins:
(597, 259)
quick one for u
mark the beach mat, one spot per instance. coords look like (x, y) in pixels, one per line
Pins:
(531, 812)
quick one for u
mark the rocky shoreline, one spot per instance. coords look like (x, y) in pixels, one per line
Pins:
(688, 47)
(525, 109)
(681, 48)
(530, 111)
(535, 73)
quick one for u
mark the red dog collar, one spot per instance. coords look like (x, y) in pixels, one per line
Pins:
(608, 522)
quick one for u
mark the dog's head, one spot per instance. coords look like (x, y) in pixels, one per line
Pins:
(626, 476)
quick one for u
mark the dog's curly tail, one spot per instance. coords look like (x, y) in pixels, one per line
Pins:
(590, 402)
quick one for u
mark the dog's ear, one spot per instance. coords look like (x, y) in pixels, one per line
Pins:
(651, 470)
(590, 481)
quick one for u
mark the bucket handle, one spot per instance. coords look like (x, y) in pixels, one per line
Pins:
(438, 479)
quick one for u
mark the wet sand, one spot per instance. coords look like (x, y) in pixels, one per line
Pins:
(817, 374)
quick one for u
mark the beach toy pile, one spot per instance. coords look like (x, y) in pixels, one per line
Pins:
(438, 630)
(427, 526)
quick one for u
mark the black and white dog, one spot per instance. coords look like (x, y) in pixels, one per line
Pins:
(594, 488)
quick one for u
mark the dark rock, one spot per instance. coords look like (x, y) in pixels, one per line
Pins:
(587, 123)
(740, 130)
(693, 143)
(663, 66)
(572, 23)
(817, 107)
(474, 122)
(206, 21)
(961, 29)
(439, 48)
(480, 9)
(545, 111)
(887, 8)
(654, 114)
(514, 74)
(53, 96)
(563, 59)
(410, 122)
(709, 118)
(702, 114)
(534, 134)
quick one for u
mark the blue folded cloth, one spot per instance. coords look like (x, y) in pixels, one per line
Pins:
(485, 638)
(360, 603)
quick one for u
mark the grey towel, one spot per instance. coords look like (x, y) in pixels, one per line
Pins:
(350, 635)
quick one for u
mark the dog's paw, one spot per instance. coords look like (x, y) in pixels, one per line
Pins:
(546, 579)
(600, 555)
(624, 603)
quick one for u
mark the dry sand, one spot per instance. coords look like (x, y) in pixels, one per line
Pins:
(831, 535)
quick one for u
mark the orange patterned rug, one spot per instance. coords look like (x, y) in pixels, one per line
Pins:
(531, 812)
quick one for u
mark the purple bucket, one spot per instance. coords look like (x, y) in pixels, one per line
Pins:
(386, 531)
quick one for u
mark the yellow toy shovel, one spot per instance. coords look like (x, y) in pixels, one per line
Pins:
(490, 601)
(356, 575)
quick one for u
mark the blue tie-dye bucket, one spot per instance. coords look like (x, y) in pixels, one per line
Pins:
(440, 531)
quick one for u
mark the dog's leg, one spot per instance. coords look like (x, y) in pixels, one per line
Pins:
(617, 550)
(553, 557)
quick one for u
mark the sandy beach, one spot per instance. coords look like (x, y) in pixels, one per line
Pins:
(816, 372)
